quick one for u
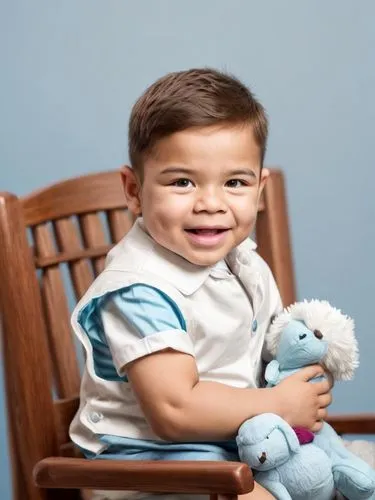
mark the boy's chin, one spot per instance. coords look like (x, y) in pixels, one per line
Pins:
(204, 260)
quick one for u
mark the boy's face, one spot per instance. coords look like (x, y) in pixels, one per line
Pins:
(200, 192)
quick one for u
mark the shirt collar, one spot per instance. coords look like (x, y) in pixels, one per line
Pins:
(179, 272)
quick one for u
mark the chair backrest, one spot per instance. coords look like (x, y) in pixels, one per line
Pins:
(53, 244)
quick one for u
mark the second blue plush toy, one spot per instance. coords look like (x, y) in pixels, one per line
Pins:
(308, 333)
(288, 470)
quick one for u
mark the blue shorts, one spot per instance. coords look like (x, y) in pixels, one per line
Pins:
(121, 448)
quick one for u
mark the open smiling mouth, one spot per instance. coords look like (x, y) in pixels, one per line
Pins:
(207, 231)
(207, 236)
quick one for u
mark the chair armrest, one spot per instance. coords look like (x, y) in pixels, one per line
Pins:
(153, 476)
(362, 423)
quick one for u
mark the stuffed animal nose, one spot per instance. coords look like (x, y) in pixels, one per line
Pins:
(262, 458)
(318, 334)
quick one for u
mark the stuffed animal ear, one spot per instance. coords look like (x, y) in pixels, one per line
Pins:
(290, 436)
(272, 372)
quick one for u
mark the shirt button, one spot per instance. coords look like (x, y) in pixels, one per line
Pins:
(246, 260)
(95, 417)
(254, 326)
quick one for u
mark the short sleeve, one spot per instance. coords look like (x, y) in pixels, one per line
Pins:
(140, 320)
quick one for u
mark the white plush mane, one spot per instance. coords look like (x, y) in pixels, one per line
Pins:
(338, 330)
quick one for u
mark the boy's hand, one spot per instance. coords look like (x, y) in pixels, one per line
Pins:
(330, 378)
(303, 404)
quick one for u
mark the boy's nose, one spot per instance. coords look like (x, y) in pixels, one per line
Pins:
(210, 201)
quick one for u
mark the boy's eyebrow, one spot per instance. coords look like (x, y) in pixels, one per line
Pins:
(243, 171)
(182, 170)
(177, 170)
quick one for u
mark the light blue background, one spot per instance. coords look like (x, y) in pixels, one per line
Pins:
(70, 71)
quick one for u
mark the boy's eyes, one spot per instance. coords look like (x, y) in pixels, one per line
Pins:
(183, 183)
(235, 183)
(232, 183)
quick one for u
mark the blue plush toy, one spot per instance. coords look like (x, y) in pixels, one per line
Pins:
(288, 470)
(307, 333)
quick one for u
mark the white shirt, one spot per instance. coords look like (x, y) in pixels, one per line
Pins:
(226, 313)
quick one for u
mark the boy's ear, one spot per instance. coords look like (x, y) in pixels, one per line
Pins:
(132, 189)
(265, 173)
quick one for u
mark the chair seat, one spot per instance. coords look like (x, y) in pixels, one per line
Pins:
(120, 495)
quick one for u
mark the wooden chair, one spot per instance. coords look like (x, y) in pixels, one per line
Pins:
(60, 235)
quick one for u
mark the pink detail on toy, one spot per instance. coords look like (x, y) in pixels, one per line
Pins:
(304, 435)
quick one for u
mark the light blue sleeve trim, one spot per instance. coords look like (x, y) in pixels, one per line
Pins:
(147, 310)
(142, 311)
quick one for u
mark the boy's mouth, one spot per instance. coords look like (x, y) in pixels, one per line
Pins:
(207, 237)
(207, 231)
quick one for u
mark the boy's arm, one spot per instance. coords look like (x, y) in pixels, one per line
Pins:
(180, 407)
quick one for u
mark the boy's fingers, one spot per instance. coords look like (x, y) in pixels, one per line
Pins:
(329, 378)
(325, 400)
(310, 372)
(317, 426)
(322, 414)
(322, 387)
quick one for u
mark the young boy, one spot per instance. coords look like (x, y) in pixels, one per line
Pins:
(174, 327)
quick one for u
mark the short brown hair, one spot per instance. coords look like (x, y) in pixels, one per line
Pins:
(192, 98)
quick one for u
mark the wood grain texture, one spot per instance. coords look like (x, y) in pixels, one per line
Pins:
(25, 349)
(153, 476)
(93, 237)
(358, 423)
(273, 236)
(64, 411)
(57, 316)
(68, 238)
(86, 194)
(223, 497)
(119, 222)
(66, 257)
